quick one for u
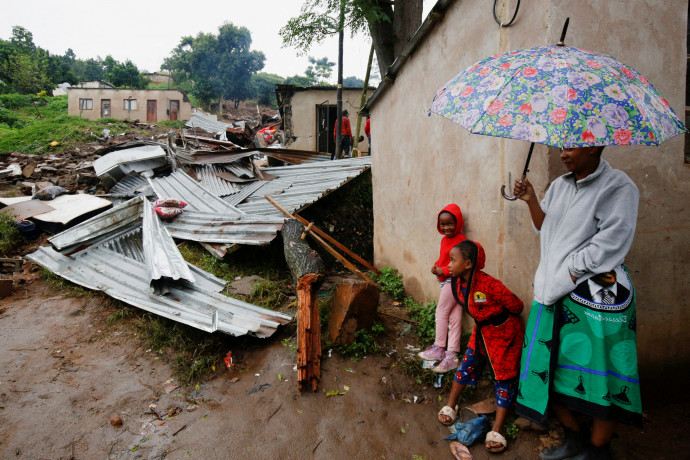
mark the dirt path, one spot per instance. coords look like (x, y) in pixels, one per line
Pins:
(64, 372)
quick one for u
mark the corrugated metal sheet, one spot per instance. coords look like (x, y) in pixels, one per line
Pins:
(130, 245)
(212, 126)
(179, 185)
(120, 219)
(131, 184)
(218, 228)
(161, 255)
(139, 158)
(298, 186)
(245, 191)
(211, 182)
(126, 279)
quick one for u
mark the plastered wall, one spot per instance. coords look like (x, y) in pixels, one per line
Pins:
(117, 105)
(421, 163)
(304, 115)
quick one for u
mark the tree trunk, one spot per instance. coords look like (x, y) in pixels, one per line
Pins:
(408, 18)
(307, 270)
(390, 37)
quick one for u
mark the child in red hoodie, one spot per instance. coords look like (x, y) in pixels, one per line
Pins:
(449, 224)
(496, 340)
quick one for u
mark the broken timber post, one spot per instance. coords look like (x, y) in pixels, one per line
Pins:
(307, 270)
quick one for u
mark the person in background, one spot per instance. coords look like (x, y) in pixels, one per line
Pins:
(346, 132)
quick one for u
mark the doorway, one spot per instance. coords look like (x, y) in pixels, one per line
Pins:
(151, 110)
(105, 108)
(174, 109)
(326, 116)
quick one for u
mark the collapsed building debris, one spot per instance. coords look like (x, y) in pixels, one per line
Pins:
(131, 255)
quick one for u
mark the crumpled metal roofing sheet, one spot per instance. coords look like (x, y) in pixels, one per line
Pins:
(211, 182)
(130, 184)
(298, 186)
(126, 279)
(218, 228)
(212, 126)
(179, 185)
(120, 218)
(246, 190)
(130, 245)
(138, 158)
(162, 258)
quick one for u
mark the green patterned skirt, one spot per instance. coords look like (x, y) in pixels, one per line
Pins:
(583, 355)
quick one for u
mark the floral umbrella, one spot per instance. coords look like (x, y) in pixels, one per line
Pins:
(560, 96)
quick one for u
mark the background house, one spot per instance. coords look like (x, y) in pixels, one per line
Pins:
(423, 162)
(309, 115)
(136, 104)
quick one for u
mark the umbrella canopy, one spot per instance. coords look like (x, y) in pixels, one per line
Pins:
(560, 96)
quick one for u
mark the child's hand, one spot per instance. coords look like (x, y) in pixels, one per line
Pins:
(436, 270)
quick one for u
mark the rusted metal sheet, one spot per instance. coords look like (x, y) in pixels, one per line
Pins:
(213, 182)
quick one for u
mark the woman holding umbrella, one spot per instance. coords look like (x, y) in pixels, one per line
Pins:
(580, 350)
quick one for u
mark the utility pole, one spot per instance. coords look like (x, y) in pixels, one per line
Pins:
(339, 96)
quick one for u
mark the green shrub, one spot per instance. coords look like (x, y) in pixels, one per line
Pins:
(425, 315)
(364, 344)
(10, 237)
(15, 101)
(391, 282)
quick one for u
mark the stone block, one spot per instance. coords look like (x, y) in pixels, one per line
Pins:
(26, 187)
(353, 308)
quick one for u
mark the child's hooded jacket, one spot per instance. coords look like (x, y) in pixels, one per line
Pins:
(447, 243)
(488, 299)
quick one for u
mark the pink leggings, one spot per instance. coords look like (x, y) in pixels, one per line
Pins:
(448, 311)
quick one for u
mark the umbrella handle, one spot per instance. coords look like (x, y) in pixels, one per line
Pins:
(508, 197)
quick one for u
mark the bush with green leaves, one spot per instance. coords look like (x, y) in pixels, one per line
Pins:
(364, 344)
(391, 282)
(425, 315)
(10, 237)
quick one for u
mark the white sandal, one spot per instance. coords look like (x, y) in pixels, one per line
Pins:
(448, 412)
(495, 436)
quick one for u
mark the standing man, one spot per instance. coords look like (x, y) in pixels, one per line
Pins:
(580, 353)
(367, 131)
(346, 132)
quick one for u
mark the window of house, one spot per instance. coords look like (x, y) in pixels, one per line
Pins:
(130, 104)
(85, 104)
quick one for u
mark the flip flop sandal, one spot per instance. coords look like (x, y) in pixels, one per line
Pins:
(494, 436)
(460, 451)
(448, 412)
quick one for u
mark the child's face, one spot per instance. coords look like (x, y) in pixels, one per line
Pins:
(458, 265)
(446, 221)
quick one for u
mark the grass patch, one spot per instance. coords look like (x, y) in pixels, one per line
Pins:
(364, 344)
(10, 236)
(67, 288)
(391, 282)
(268, 294)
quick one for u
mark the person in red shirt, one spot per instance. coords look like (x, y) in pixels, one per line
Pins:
(346, 132)
(367, 131)
(449, 224)
(496, 340)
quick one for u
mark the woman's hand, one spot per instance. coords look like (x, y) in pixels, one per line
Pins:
(524, 190)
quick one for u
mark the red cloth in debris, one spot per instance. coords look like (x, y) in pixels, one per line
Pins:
(367, 130)
(448, 243)
(346, 129)
(488, 297)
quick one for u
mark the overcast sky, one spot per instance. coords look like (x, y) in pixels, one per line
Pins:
(146, 31)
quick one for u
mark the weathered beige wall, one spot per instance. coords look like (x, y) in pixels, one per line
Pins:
(304, 115)
(421, 163)
(117, 97)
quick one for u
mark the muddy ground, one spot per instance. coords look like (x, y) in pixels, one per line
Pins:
(65, 372)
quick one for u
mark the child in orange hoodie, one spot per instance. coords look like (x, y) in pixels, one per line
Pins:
(449, 224)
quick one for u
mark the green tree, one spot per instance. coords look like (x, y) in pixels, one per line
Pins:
(264, 87)
(352, 82)
(390, 27)
(320, 70)
(217, 67)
